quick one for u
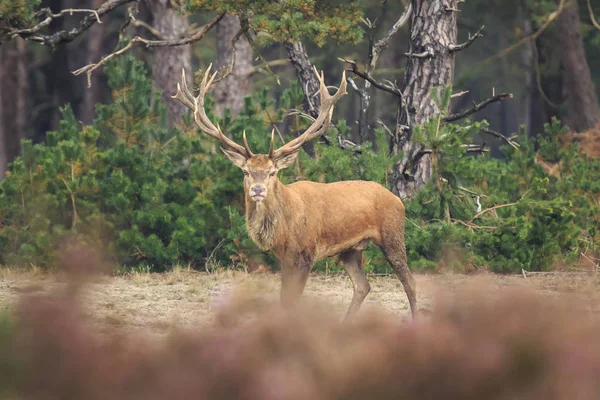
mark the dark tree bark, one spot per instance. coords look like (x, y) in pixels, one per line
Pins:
(75, 88)
(3, 133)
(168, 61)
(308, 80)
(230, 92)
(527, 56)
(306, 75)
(430, 63)
(95, 51)
(14, 84)
(580, 92)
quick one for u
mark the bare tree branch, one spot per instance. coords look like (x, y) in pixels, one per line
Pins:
(231, 65)
(354, 68)
(384, 42)
(246, 31)
(375, 50)
(479, 214)
(462, 46)
(137, 23)
(49, 17)
(509, 141)
(304, 70)
(88, 69)
(270, 64)
(65, 36)
(477, 107)
(551, 17)
(426, 54)
(476, 148)
(455, 95)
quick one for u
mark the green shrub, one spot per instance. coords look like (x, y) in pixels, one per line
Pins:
(155, 197)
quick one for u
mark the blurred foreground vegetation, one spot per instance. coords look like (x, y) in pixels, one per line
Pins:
(484, 345)
(155, 197)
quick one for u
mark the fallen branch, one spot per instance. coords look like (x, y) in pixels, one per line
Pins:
(462, 46)
(65, 36)
(477, 107)
(88, 69)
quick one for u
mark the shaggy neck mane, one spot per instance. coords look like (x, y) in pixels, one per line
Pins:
(265, 218)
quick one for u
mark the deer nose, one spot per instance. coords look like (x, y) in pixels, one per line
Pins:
(258, 190)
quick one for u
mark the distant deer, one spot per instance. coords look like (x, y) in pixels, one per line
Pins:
(305, 221)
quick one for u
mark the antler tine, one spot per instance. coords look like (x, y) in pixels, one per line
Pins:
(246, 147)
(272, 145)
(185, 96)
(321, 123)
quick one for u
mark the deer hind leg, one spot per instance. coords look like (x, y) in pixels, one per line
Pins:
(294, 275)
(352, 262)
(395, 251)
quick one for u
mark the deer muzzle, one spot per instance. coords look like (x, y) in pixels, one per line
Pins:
(258, 192)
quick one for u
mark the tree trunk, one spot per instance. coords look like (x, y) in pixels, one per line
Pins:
(582, 101)
(230, 92)
(528, 59)
(308, 80)
(169, 60)
(14, 82)
(432, 30)
(94, 53)
(3, 133)
(306, 75)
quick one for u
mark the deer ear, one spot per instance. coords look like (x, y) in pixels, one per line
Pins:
(237, 159)
(286, 161)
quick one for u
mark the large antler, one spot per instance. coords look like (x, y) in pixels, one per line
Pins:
(184, 95)
(320, 125)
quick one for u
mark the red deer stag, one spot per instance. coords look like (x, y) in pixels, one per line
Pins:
(307, 221)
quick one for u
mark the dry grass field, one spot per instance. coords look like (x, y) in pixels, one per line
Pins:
(155, 303)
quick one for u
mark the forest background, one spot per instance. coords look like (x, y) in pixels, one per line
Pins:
(482, 116)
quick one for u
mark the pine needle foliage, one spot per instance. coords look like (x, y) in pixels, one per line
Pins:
(156, 197)
(292, 20)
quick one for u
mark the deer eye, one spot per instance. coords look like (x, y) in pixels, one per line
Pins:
(272, 173)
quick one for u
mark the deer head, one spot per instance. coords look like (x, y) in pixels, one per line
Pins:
(260, 170)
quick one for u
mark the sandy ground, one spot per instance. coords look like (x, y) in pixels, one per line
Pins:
(155, 303)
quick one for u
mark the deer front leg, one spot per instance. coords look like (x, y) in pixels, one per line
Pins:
(294, 274)
(352, 262)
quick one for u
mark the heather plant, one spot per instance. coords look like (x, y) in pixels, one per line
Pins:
(471, 346)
